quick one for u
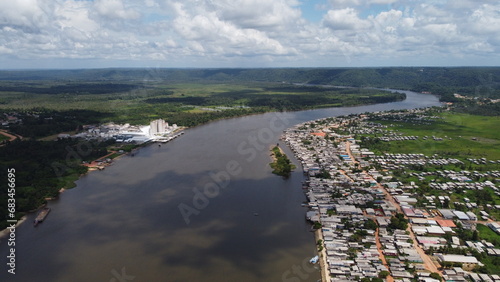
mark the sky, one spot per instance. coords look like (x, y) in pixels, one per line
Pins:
(248, 33)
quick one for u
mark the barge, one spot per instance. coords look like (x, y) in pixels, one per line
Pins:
(41, 216)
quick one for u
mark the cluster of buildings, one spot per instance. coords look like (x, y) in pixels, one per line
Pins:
(7, 119)
(396, 161)
(157, 130)
(349, 186)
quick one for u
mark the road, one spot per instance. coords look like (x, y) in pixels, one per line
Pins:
(427, 261)
(10, 136)
(389, 278)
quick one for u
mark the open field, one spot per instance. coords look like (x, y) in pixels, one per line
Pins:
(183, 103)
(464, 136)
(489, 235)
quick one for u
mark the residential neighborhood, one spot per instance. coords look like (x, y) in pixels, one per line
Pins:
(372, 219)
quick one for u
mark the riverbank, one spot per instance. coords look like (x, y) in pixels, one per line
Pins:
(146, 191)
(97, 164)
(4, 233)
(323, 264)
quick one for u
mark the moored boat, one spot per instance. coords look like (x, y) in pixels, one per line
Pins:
(41, 216)
(314, 260)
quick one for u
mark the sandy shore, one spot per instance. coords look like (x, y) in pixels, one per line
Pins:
(5, 233)
(318, 235)
(273, 157)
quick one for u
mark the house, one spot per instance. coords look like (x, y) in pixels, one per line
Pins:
(435, 230)
(468, 262)
(448, 214)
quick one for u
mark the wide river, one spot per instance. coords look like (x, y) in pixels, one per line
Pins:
(239, 222)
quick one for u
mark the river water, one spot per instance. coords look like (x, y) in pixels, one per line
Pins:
(239, 222)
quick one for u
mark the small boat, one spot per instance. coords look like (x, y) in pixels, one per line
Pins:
(314, 260)
(41, 216)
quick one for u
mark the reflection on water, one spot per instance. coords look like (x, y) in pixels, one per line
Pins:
(125, 223)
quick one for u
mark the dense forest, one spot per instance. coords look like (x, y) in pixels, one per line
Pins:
(43, 122)
(290, 98)
(73, 88)
(471, 81)
(42, 169)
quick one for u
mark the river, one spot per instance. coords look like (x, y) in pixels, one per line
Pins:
(240, 222)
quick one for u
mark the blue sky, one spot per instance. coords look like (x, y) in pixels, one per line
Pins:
(248, 33)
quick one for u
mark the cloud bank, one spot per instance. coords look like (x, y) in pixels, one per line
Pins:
(248, 33)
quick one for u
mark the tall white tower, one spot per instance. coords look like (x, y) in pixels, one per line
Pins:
(157, 127)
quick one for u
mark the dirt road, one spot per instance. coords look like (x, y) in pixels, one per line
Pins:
(10, 136)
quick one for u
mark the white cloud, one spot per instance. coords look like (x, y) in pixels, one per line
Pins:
(206, 32)
(249, 32)
(258, 13)
(26, 14)
(345, 19)
(386, 2)
(115, 9)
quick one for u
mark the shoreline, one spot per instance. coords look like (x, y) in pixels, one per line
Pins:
(5, 233)
(272, 155)
(323, 265)
(320, 107)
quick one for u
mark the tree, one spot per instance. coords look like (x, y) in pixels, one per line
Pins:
(436, 276)
(398, 222)
(446, 203)
(475, 236)
(370, 224)
(383, 274)
(317, 225)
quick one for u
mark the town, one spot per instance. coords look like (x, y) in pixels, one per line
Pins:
(396, 216)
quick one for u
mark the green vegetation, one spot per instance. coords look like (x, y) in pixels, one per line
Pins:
(464, 136)
(383, 274)
(281, 164)
(398, 222)
(186, 103)
(436, 276)
(50, 102)
(323, 173)
(3, 137)
(478, 81)
(317, 225)
(40, 122)
(485, 233)
(370, 224)
(42, 169)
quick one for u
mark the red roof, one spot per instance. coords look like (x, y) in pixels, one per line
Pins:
(446, 223)
(322, 134)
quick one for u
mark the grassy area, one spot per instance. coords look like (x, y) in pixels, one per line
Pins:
(485, 233)
(457, 131)
(138, 102)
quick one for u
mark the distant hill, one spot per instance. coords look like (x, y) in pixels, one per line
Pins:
(444, 81)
